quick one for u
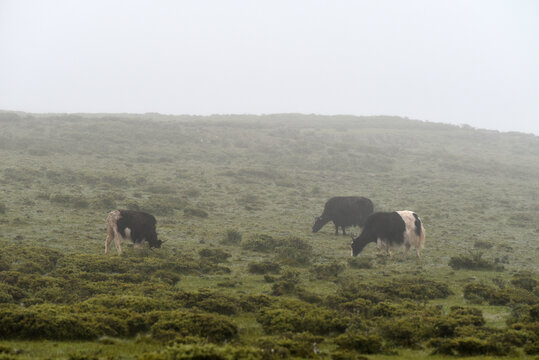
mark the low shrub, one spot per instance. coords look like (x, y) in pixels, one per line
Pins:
(195, 212)
(327, 271)
(208, 300)
(286, 283)
(468, 346)
(215, 256)
(298, 316)
(214, 328)
(474, 261)
(301, 345)
(360, 263)
(294, 251)
(524, 281)
(261, 243)
(480, 292)
(203, 351)
(407, 331)
(365, 344)
(59, 322)
(232, 237)
(264, 268)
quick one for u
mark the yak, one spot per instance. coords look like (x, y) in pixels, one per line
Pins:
(131, 224)
(344, 211)
(392, 229)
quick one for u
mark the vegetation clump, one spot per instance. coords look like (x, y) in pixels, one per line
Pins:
(264, 267)
(474, 261)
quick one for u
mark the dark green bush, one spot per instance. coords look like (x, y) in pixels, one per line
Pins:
(253, 303)
(360, 263)
(214, 328)
(294, 251)
(480, 292)
(54, 322)
(298, 316)
(286, 283)
(407, 331)
(365, 344)
(132, 303)
(264, 268)
(468, 346)
(261, 243)
(300, 345)
(208, 300)
(526, 282)
(473, 261)
(233, 237)
(214, 255)
(195, 212)
(327, 271)
(203, 351)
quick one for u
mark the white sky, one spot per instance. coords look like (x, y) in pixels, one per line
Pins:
(470, 62)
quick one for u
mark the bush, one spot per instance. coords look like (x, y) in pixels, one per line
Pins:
(286, 283)
(294, 251)
(264, 268)
(360, 263)
(297, 316)
(261, 243)
(365, 344)
(208, 300)
(474, 261)
(59, 322)
(233, 237)
(195, 212)
(215, 328)
(468, 346)
(300, 345)
(526, 282)
(215, 256)
(203, 351)
(327, 271)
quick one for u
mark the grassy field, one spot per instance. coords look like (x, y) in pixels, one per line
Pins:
(241, 274)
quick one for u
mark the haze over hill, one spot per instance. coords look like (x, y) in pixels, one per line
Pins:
(459, 62)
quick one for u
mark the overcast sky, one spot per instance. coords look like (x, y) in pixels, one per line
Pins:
(470, 62)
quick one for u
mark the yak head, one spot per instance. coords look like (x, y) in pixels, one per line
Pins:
(359, 243)
(153, 242)
(319, 222)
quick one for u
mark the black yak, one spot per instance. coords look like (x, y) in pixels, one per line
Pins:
(344, 211)
(130, 224)
(392, 229)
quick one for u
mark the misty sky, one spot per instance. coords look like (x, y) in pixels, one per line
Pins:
(460, 61)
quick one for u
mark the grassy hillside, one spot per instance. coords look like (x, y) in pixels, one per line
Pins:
(235, 198)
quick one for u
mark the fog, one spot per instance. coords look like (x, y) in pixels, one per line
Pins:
(459, 62)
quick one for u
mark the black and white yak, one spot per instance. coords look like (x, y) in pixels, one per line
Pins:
(344, 211)
(392, 229)
(136, 226)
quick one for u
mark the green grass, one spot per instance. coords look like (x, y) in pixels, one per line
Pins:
(262, 177)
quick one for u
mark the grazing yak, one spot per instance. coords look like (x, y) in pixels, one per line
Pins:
(136, 226)
(344, 211)
(391, 229)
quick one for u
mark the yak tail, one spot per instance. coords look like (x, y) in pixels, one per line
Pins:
(417, 224)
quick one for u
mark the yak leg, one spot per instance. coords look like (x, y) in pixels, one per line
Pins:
(343, 230)
(417, 253)
(406, 248)
(110, 236)
(336, 229)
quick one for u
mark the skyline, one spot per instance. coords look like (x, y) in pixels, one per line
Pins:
(464, 62)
